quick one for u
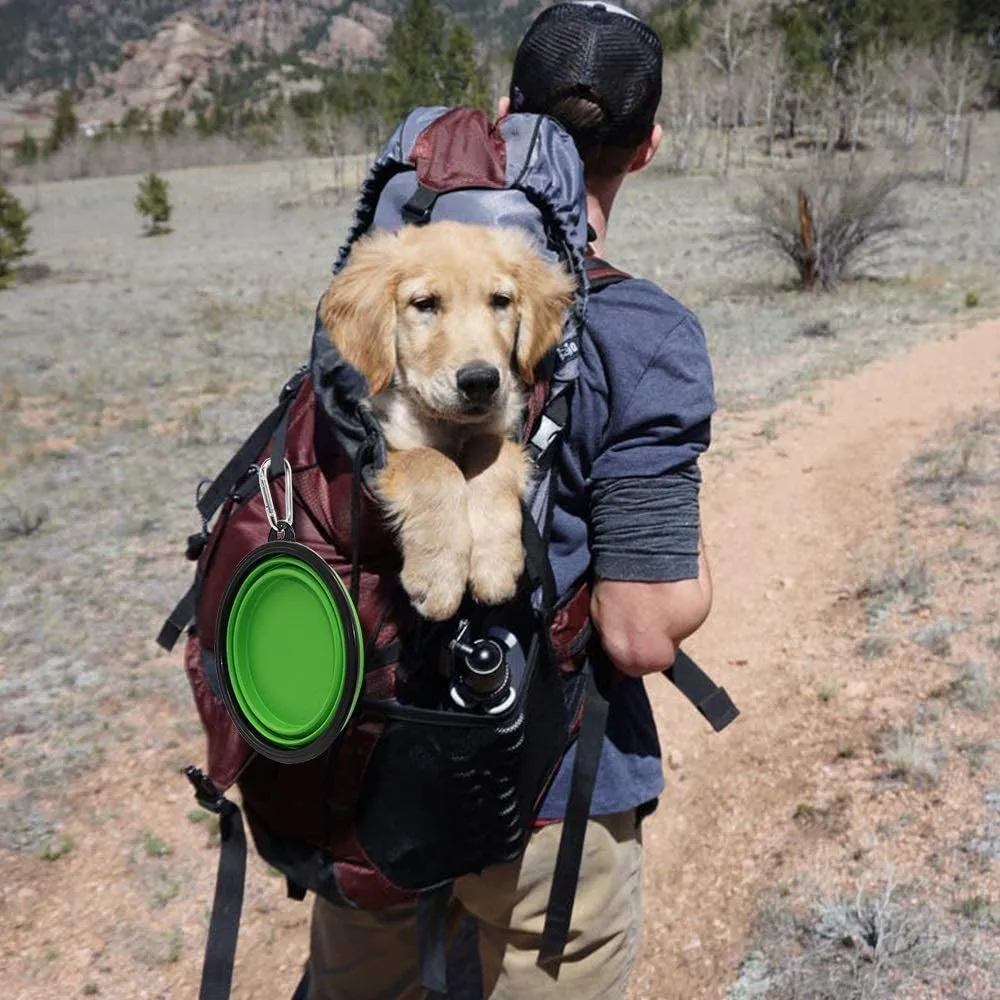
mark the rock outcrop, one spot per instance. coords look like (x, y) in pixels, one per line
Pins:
(172, 69)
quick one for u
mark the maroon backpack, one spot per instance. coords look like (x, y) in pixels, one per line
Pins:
(413, 794)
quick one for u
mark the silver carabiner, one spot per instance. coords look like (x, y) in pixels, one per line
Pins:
(283, 526)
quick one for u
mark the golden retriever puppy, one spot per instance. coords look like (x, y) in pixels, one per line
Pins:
(447, 322)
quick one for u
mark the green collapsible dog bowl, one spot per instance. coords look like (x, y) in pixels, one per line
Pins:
(290, 652)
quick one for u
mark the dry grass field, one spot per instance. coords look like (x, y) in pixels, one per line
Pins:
(841, 841)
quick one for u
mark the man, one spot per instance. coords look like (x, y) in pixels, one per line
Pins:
(627, 515)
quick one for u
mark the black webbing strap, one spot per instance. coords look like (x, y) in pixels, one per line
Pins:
(432, 914)
(179, 617)
(536, 560)
(224, 926)
(278, 447)
(248, 452)
(711, 700)
(274, 424)
(302, 990)
(567, 871)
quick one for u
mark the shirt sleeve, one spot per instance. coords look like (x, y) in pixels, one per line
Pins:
(647, 529)
(658, 383)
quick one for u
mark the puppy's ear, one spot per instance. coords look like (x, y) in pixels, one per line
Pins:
(545, 291)
(359, 310)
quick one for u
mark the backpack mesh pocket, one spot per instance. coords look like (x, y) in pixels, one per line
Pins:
(448, 793)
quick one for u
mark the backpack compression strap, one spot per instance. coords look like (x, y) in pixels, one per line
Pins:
(275, 424)
(711, 701)
(224, 925)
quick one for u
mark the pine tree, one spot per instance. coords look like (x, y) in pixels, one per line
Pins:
(64, 122)
(14, 233)
(414, 53)
(677, 25)
(153, 203)
(27, 150)
(134, 120)
(462, 77)
(171, 120)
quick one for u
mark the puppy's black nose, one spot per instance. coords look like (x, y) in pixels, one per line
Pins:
(478, 381)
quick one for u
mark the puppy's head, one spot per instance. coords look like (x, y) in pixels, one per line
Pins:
(455, 316)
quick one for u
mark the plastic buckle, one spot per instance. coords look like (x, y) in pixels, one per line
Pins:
(205, 791)
(417, 210)
(196, 545)
(292, 385)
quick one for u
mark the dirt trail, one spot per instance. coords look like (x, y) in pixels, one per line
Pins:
(793, 519)
(799, 505)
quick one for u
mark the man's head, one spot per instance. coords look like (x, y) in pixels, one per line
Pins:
(597, 70)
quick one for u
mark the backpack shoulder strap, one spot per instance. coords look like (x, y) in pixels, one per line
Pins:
(601, 274)
(549, 414)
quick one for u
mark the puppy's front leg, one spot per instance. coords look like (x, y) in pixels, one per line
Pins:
(496, 471)
(425, 494)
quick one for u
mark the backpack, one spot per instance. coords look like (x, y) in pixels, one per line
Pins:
(414, 792)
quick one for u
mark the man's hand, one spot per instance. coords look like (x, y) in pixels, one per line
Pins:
(642, 624)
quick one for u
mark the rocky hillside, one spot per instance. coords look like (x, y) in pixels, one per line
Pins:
(46, 44)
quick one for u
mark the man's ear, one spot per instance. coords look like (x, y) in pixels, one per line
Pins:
(645, 153)
(359, 310)
(503, 107)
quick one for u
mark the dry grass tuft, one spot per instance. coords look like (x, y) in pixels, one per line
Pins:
(21, 522)
(976, 688)
(909, 758)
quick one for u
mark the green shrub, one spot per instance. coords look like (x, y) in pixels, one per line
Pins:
(153, 203)
(14, 233)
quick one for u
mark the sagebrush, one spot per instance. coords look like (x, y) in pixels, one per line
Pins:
(826, 223)
(879, 945)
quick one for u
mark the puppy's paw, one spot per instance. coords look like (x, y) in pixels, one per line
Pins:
(495, 570)
(435, 588)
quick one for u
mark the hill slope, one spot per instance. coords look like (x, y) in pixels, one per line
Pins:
(46, 44)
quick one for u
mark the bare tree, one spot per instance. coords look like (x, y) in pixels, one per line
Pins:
(727, 37)
(774, 71)
(865, 86)
(910, 72)
(959, 78)
(682, 90)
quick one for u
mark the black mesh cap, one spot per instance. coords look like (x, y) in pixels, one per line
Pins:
(597, 51)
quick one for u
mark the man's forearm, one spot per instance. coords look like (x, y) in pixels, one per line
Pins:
(641, 624)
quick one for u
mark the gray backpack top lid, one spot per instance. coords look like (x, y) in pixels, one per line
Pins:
(524, 172)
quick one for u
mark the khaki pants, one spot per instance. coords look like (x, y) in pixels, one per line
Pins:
(362, 955)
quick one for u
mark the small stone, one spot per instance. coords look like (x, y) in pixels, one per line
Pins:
(675, 760)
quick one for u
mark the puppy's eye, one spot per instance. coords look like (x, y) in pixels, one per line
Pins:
(500, 300)
(426, 303)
